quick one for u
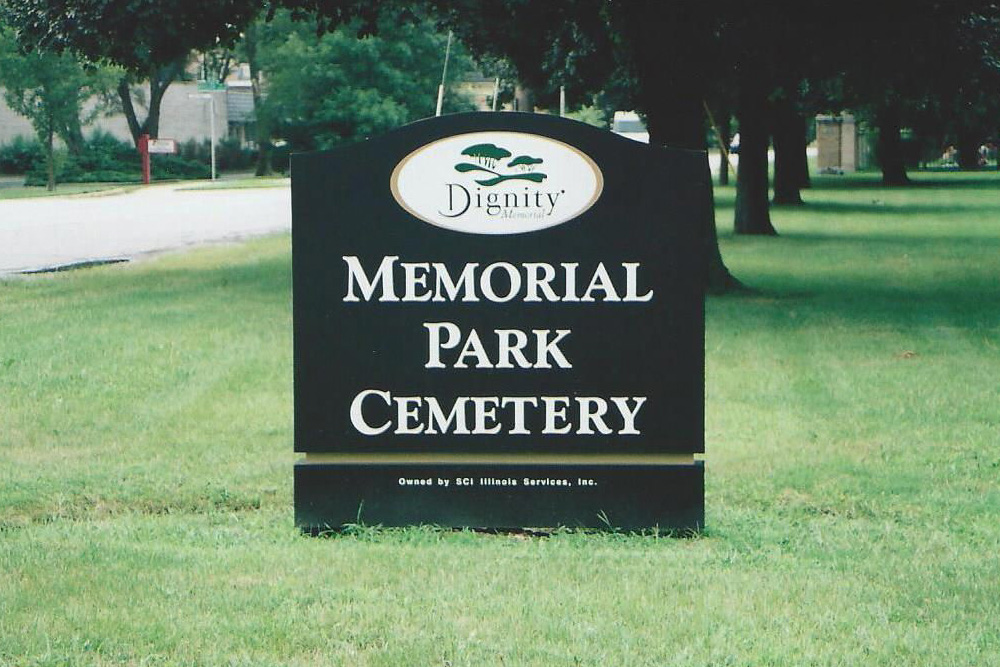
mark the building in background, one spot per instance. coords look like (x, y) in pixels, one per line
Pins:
(182, 116)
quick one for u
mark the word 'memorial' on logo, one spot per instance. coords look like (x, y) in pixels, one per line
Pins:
(496, 183)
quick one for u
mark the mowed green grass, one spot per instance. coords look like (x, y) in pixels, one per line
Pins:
(64, 190)
(853, 472)
(250, 182)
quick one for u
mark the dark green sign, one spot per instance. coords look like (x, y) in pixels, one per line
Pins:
(499, 323)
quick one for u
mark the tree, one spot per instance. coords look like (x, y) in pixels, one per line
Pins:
(248, 50)
(326, 89)
(643, 51)
(50, 90)
(907, 55)
(150, 39)
(131, 95)
(217, 63)
(791, 170)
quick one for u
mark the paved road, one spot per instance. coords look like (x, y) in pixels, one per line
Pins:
(57, 231)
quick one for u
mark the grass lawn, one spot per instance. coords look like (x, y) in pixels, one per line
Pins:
(63, 190)
(853, 427)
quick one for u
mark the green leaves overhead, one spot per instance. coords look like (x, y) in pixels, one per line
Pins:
(136, 34)
(336, 87)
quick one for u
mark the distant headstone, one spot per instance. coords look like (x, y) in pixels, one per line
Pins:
(499, 323)
(837, 144)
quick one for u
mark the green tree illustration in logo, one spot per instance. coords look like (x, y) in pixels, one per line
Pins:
(488, 157)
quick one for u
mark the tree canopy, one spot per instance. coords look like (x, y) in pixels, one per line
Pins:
(931, 64)
(334, 87)
(50, 90)
(150, 39)
(135, 34)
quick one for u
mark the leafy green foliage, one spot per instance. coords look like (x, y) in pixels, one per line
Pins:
(104, 159)
(591, 115)
(150, 39)
(338, 87)
(136, 34)
(49, 89)
(230, 155)
(19, 155)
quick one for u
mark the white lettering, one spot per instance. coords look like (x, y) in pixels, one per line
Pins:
(553, 412)
(415, 280)
(434, 344)
(632, 282)
(601, 281)
(438, 423)
(547, 348)
(519, 402)
(486, 412)
(474, 347)
(592, 411)
(358, 418)
(466, 282)
(382, 277)
(541, 282)
(628, 415)
(486, 282)
(407, 408)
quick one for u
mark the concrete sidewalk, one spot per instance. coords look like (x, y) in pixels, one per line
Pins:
(50, 232)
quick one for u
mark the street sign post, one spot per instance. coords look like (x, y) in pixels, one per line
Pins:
(148, 146)
(166, 146)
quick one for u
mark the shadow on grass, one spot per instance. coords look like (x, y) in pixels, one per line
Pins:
(908, 243)
(878, 207)
(899, 306)
(971, 244)
(920, 180)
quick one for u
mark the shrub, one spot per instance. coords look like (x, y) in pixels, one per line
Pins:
(280, 156)
(231, 156)
(105, 158)
(19, 155)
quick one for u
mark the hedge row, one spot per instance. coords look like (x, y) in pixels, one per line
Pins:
(104, 158)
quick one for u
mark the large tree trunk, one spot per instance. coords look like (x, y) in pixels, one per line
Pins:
(678, 121)
(805, 181)
(157, 87)
(890, 144)
(72, 136)
(968, 149)
(262, 122)
(791, 170)
(524, 98)
(752, 211)
(718, 279)
(671, 98)
(128, 109)
(160, 80)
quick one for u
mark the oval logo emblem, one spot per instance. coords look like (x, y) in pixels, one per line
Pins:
(496, 183)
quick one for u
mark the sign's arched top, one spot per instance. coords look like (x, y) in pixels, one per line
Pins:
(496, 183)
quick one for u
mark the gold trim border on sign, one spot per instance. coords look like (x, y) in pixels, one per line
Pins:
(502, 459)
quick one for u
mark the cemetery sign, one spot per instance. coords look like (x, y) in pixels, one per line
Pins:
(499, 323)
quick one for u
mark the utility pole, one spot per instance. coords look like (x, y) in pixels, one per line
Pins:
(211, 121)
(444, 75)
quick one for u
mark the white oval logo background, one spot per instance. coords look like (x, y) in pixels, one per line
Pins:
(496, 183)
